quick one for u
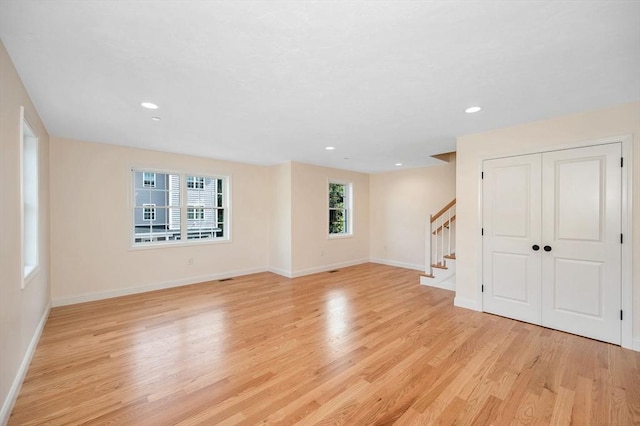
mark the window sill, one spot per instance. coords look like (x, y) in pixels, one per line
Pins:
(189, 243)
(29, 273)
(339, 236)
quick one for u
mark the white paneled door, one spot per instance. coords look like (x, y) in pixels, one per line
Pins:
(581, 277)
(511, 225)
(552, 249)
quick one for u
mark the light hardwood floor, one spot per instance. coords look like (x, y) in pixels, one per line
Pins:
(364, 345)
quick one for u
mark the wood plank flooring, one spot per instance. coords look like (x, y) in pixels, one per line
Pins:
(364, 345)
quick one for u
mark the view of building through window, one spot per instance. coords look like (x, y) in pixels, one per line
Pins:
(172, 207)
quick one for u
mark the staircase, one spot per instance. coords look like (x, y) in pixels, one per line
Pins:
(440, 249)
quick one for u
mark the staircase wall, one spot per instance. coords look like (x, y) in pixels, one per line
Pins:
(401, 201)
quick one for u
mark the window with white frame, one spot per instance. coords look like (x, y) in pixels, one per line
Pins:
(149, 212)
(29, 190)
(340, 208)
(179, 207)
(149, 180)
(195, 213)
(195, 182)
(205, 198)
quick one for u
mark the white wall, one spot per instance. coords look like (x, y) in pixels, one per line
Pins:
(401, 202)
(589, 126)
(312, 249)
(21, 311)
(280, 219)
(91, 223)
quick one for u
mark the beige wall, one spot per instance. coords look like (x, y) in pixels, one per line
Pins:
(91, 223)
(588, 126)
(279, 222)
(401, 201)
(312, 249)
(280, 219)
(21, 311)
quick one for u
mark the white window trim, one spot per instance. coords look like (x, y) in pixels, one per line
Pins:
(227, 180)
(30, 271)
(349, 208)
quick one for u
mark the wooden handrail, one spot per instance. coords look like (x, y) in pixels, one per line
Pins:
(443, 210)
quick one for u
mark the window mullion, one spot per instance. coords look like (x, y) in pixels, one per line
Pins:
(183, 207)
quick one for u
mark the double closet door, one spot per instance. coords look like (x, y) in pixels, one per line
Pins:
(551, 239)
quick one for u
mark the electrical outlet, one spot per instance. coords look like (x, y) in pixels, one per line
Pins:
(190, 261)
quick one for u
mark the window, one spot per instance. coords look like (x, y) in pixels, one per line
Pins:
(339, 209)
(30, 243)
(149, 180)
(195, 213)
(179, 207)
(149, 212)
(205, 197)
(195, 182)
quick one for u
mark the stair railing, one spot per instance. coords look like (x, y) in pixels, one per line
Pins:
(440, 237)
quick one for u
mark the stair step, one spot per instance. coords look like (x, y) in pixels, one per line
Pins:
(450, 256)
(427, 275)
(439, 266)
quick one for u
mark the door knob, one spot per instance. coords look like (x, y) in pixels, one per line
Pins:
(547, 248)
(535, 247)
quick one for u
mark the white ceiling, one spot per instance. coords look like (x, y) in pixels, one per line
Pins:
(267, 82)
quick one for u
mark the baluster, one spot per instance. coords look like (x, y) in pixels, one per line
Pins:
(449, 244)
(441, 239)
(434, 243)
(437, 243)
(430, 236)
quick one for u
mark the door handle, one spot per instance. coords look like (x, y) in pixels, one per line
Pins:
(535, 247)
(547, 248)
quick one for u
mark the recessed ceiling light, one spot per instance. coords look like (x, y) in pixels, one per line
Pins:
(473, 109)
(149, 105)
(398, 164)
(156, 118)
(329, 148)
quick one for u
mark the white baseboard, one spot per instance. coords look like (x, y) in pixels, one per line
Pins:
(325, 268)
(636, 345)
(280, 271)
(90, 297)
(463, 302)
(10, 400)
(399, 264)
